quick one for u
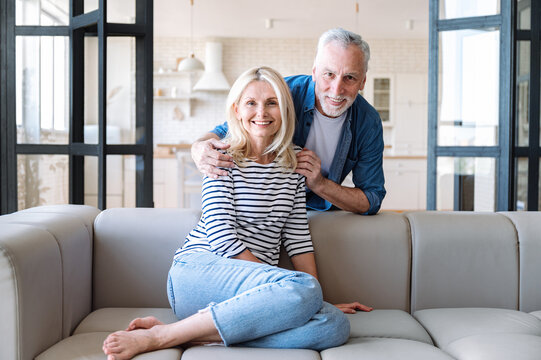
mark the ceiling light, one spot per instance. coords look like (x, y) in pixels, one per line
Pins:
(191, 63)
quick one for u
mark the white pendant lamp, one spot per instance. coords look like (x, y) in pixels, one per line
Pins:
(191, 63)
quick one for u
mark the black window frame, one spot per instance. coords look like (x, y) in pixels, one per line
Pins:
(80, 25)
(533, 151)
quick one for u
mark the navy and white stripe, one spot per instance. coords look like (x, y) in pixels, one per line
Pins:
(256, 207)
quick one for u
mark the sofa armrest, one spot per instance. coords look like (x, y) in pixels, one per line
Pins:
(31, 291)
(72, 228)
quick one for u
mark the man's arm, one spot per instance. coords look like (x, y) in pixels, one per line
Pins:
(346, 198)
(208, 159)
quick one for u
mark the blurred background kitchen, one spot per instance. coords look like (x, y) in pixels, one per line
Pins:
(228, 37)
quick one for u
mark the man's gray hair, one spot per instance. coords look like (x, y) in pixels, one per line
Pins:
(345, 38)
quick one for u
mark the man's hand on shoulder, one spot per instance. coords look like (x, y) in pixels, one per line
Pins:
(208, 159)
(309, 165)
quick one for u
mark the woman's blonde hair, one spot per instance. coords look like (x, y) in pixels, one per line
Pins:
(237, 136)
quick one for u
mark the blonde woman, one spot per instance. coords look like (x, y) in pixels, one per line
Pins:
(224, 284)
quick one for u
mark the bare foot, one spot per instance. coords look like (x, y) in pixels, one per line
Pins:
(124, 345)
(143, 323)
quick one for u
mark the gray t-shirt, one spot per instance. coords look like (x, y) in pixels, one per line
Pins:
(323, 138)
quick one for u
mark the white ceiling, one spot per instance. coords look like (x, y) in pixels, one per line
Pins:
(377, 19)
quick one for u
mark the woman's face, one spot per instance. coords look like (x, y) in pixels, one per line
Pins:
(259, 111)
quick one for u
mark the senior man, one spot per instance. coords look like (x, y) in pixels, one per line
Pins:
(340, 132)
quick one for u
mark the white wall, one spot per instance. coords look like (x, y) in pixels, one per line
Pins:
(408, 58)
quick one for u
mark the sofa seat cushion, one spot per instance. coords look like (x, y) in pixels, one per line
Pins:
(448, 325)
(240, 353)
(537, 314)
(114, 319)
(88, 347)
(384, 349)
(387, 324)
(496, 347)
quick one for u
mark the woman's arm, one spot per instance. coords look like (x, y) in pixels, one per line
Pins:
(247, 256)
(305, 263)
(219, 215)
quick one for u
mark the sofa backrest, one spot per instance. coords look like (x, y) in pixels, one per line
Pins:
(463, 259)
(133, 251)
(528, 225)
(363, 258)
(360, 258)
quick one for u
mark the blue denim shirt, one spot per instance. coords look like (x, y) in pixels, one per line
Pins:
(360, 148)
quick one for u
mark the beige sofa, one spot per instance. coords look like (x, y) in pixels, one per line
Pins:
(444, 285)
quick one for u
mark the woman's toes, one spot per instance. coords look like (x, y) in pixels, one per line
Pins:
(134, 324)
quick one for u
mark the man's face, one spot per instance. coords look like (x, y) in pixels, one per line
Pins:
(339, 75)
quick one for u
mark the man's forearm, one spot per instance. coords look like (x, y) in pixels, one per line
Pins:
(207, 136)
(346, 198)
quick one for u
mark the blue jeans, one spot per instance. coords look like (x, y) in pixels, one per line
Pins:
(255, 304)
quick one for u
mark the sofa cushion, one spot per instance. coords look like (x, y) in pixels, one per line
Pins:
(496, 347)
(384, 349)
(387, 324)
(84, 213)
(240, 353)
(448, 325)
(537, 314)
(89, 347)
(30, 291)
(75, 245)
(528, 228)
(114, 319)
(363, 258)
(463, 259)
(133, 251)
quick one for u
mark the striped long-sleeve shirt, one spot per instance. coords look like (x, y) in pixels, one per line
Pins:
(255, 207)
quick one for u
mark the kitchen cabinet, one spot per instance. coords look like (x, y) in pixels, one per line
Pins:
(405, 181)
(165, 183)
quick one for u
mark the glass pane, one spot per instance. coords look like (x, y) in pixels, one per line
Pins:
(118, 11)
(121, 11)
(524, 14)
(91, 90)
(121, 90)
(42, 90)
(521, 181)
(467, 184)
(450, 9)
(382, 97)
(523, 93)
(91, 5)
(121, 181)
(469, 88)
(91, 181)
(42, 180)
(42, 12)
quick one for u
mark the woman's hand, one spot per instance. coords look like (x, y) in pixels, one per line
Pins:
(352, 307)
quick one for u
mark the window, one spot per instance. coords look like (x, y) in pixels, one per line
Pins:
(469, 105)
(76, 115)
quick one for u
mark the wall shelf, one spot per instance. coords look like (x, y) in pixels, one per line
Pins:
(175, 82)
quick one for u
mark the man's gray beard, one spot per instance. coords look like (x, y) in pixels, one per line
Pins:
(331, 111)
